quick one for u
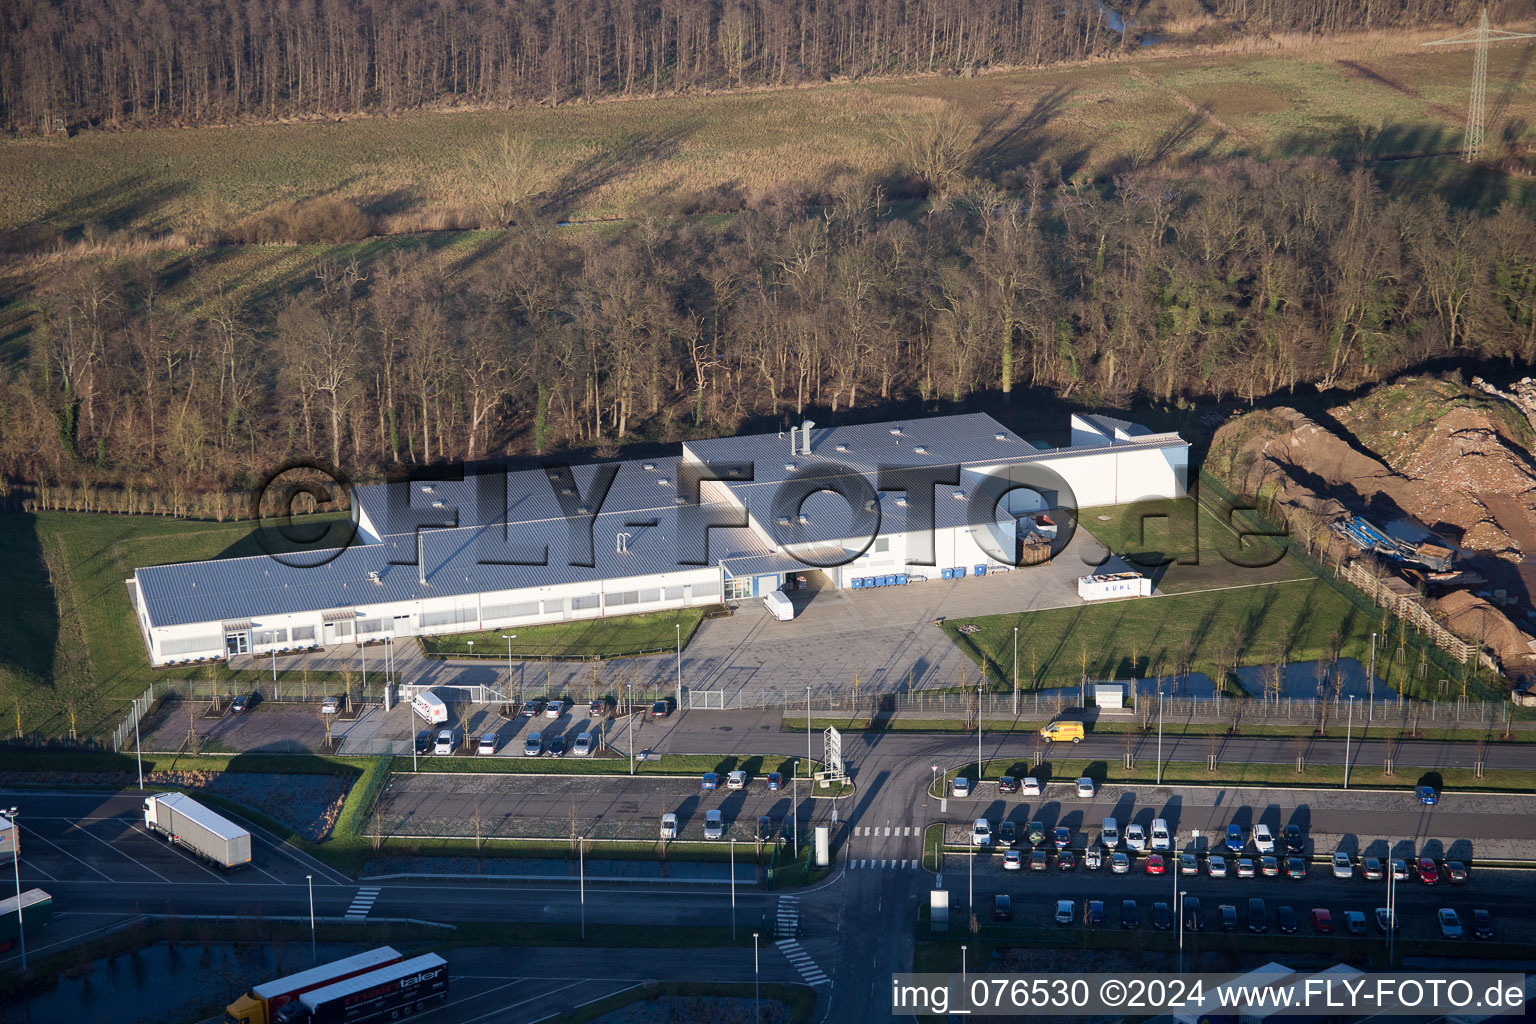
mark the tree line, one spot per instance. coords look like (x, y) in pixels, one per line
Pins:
(1241, 282)
(127, 62)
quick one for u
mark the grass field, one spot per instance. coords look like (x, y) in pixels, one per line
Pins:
(615, 637)
(72, 643)
(612, 159)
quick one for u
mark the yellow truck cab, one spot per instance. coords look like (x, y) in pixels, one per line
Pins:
(1056, 732)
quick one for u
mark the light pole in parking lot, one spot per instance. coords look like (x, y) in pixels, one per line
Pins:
(978, 732)
(21, 929)
(1370, 682)
(679, 666)
(1015, 671)
(138, 750)
(509, 637)
(1159, 732)
(733, 888)
(313, 956)
(794, 803)
(581, 858)
(757, 1005)
(1178, 904)
(808, 758)
(1348, 728)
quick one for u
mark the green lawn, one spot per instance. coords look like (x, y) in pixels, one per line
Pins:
(615, 636)
(71, 642)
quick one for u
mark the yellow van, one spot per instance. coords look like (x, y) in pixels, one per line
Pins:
(1056, 732)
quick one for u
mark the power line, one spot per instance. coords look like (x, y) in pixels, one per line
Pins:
(1477, 105)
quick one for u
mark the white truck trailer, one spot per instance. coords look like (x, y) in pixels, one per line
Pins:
(7, 840)
(188, 823)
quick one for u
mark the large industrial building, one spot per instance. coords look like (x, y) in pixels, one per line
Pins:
(727, 519)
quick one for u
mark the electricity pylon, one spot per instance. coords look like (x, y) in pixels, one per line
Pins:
(1477, 106)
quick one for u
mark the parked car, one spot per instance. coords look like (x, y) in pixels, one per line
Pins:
(1269, 867)
(1064, 910)
(1189, 864)
(1296, 868)
(1263, 839)
(1038, 860)
(424, 741)
(1295, 842)
(533, 744)
(1135, 838)
(1285, 920)
(1482, 924)
(444, 743)
(1427, 795)
(736, 780)
(764, 828)
(1031, 786)
(1002, 907)
(1399, 870)
(714, 824)
(1162, 917)
(1429, 872)
(1450, 923)
(1216, 866)
(1354, 922)
(487, 744)
(1061, 838)
(1343, 867)
(1013, 861)
(669, 825)
(1085, 788)
(1455, 872)
(1258, 916)
(1245, 868)
(1194, 920)
(1228, 917)
(1065, 861)
(598, 708)
(240, 703)
(1093, 857)
(981, 832)
(1007, 835)
(583, 745)
(1155, 864)
(1120, 862)
(1386, 920)
(711, 780)
(1110, 834)
(554, 709)
(1235, 839)
(1007, 784)
(1093, 913)
(1035, 833)
(557, 745)
(330, 705)
(1130, 914)
(775, 780)
(1162, 839)
(961, 786)
(1370, 867)
(532, 707)
(1322, 921)
(661, 709)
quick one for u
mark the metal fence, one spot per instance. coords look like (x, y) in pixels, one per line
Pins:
(127, 729)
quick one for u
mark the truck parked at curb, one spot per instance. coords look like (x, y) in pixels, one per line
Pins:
(189, 824)
(410, 986)
(261, 1003)
(32, 909)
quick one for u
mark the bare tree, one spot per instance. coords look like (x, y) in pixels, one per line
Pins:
(503, 178)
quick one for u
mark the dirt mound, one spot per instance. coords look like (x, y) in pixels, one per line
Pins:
(1470, 616)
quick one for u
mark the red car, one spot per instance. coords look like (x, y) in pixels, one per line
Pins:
(1322, 921)
(775, 780)
(1154, 864)
(1429, 874)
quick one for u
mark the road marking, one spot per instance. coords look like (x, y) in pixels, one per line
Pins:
(188, 855)
(39, 837)
(882, 865)
(887, 830)
(362, 902)
(133, 860)
(802, 962)
(39, 870)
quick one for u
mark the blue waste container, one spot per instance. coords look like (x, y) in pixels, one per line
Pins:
(901, 579)
(879, 581)
(981, 570)
(959, 572)
(947, 574)
(890, 581)
(858, 583)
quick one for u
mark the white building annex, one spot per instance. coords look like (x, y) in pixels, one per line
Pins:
(501, 550)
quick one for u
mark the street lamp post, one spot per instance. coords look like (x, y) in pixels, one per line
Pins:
(274, 667)
(509, 637)
(1179, 906)
(733, 888)
(679, 666)
(581, 860)
(1159, 733)
(757, 1005)
(970, 877)
(137, 749)
(1370, 682)
(978, 734)
(808, 758)
(1015, 671)
(962, 973)
(21, 930)
(313, 955)
(794, 804)
(1348, 728)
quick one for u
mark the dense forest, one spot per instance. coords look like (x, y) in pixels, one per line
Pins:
(1247, 280)
(126, 62)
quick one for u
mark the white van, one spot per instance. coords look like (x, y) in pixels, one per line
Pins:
(1111, 834)
(1161, 840)
(779, 606)
(430, 707)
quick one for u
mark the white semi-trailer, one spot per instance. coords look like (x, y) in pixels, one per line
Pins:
(188, 823)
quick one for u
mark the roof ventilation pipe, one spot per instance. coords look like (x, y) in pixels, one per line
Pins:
(421, 558)
(621, 543)
(806, 426)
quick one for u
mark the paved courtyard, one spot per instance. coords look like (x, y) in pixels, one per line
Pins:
(882, 637)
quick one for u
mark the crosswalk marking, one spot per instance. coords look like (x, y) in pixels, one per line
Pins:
(362, 902)
(803, 963)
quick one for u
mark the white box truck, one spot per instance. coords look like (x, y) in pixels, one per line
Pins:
(779, 606)
(188, 823)
(7, 840)
(430, 707)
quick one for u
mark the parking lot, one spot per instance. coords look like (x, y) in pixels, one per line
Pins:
(560, 806)
(80, 837)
